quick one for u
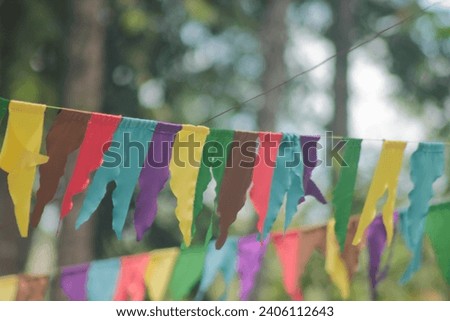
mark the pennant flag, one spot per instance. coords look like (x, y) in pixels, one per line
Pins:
(312, 239)
(385, 177)
(288, 250)
(309, 152)
(236, 181)
(32, 288)
(131, 284)
(184, 167)
(376, 243)
(102, 278)
(159, 271)
(8, 287)
(154, 176)
(343, 192)
(187, 272)
(4, 103)
(73, 281)
(65, 136)
(20, 156)
(128, 149)
(287, 179)
(438, 221)
(214, 158)
(263, 173)
(99, 133)
(223, 260)
(250, 254)
(334, 264)
(427, 165)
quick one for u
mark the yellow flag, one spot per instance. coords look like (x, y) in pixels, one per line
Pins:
(20, 156)
(385, 177)
(159, 271)
(8, 287)
(184, 167)
(334, 264)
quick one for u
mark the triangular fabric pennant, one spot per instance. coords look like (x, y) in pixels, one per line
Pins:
(102, 279)
(224, 261)
(73, 281)
(187, 272)
(385, 177)
(376, 243)
(427, 165)
(214, 159)
(4, 103)
(154, 176)
(32, 288)
(438, 221)
(288, 250)
(251, 253)
(159, 272)
(131, 283)
(20, 155)
(184, 167)
(99, 133)
(236, 181)
(345, 186)
(65, 136)
(263, 174)
(287, 180)
(128, 149)
(8, 287)
(310, 160)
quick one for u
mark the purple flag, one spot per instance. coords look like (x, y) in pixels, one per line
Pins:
(73, 281)
(309, 156)
(154, 176)
(251, 252)
(376, 243)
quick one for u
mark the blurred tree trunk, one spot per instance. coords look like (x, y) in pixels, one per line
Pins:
(82, 89)
(273, 41)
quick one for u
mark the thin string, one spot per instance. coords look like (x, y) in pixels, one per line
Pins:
(370, 39)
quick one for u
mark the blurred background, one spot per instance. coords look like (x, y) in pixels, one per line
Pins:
(186, 61)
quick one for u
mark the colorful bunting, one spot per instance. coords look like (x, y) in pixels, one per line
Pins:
(129, 145)
(159, 271)
(102, 278)
(8, 287)
(184, 167)
(288, 251)
(32, 288)
(427, 165)
(343, 192)
(385, 177)
(73, 281)
(438, 221)
(20, 156)
(187, 272)
(154, 176)
(224, 261)
(98, 135)
(131, 284)
(376, 243)
(65, 136)
(236, 181)
(287, 180)
(218, 141)
(263, 173)
(309, 152)
(250, 254)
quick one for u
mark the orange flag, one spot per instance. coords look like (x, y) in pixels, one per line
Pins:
(32, 288)
(131, 284)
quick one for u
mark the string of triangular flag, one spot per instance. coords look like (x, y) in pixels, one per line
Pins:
(275, 165)
(174, 273)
